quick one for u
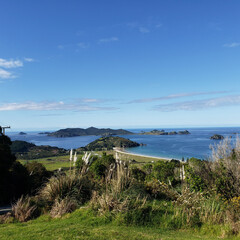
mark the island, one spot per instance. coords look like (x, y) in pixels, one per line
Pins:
(22, 133)
(162, 132)
(108, 143)
(74, 132)
(44, 133)
(217, 137)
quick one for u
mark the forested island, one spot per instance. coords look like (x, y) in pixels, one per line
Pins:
(108, 143)
(74, 132)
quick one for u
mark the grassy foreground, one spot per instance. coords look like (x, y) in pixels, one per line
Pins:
(82, 224)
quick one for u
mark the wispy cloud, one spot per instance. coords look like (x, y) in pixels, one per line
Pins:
(5, 74)
(74, 46)
(29, 59)
(106, 40)
(10, 63)
(232, 45)
(57, 105)
(6, 65)
(174, 96)
(231, 100)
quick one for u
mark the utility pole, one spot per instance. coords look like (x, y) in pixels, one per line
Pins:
(2, 130)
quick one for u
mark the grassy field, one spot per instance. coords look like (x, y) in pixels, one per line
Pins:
(54, 163)
(82, 224)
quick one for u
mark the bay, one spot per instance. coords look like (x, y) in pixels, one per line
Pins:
(197, 144)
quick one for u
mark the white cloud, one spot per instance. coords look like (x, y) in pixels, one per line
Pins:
(174, 96)
(231, 100)
(10, 63)
(106, 40)
(5, 74)
(232, 45)
(29, 59)
(50, 106)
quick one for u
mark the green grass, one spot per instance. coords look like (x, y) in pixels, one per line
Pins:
(82, 224)
(52, 163)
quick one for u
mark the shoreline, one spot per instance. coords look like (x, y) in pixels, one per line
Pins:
(123, 151)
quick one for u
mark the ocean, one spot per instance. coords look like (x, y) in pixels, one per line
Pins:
(197, 144)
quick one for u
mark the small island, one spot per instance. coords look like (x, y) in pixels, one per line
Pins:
(162, 132)
(75, 132)
(22, 133)
(217, 137)
(108, 143)
(44, 133)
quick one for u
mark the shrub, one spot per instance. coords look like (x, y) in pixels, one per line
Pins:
(194, 209)
(226, 168)
(38, 175)
(164, 172)
(138, 174)
(160, 190)
(61, 207)
(24, 209)
(76, 187)
(98, 169)
(6, 218)
(118, 181)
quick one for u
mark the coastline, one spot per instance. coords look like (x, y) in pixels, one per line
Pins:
(123, 151)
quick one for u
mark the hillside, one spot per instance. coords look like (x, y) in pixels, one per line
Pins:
(25, 150)
(108, 143)
(74, 132)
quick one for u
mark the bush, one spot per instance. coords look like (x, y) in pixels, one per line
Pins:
(38, 175)
(138, 174)
(24, 209)
(75, 187)
(61, 207)
(160, 190)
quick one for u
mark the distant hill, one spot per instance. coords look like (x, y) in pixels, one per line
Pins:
(74, 132)
(108, 143)
(25, 150)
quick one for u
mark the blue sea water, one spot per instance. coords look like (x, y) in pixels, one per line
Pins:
(197, 144)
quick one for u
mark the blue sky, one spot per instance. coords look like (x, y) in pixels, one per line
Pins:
(138, 63)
